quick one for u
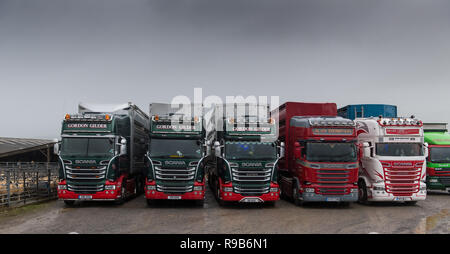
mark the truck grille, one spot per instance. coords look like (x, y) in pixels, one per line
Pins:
(85, 189)
(85, 180)
(251, 182)
(403, 180)
(91, 173)
(442, 172)
(445, 180)
(332, 181)
(175, 180)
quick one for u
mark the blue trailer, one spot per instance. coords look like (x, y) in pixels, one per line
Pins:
(368, 110)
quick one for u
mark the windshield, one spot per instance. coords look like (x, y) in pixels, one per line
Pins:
(87, 147)
(331, 152)
(250, 151)
(175, 148)
(399, 149)
(440, 154)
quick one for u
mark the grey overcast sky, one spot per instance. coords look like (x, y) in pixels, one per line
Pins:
(56, 53)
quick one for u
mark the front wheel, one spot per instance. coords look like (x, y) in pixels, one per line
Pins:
(123, 190)
(295, 197)
(362, 192)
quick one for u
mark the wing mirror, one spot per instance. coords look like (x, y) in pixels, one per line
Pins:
(366, 149)
(217, 150)
(297, 150)
(426, 150)
(208, 147)
(282, 149)
(123, 147)
(56, 146)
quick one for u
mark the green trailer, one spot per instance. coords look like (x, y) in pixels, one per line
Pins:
(438, 162)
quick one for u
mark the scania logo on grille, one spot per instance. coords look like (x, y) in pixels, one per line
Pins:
(85, 162)
(175, 163)
(402, 164)
(252, 164)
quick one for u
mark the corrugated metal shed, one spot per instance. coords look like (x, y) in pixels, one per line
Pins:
(14, 146)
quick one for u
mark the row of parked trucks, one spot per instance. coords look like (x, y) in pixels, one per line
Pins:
(306, 152)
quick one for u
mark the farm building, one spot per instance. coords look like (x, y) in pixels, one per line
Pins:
(26, 150)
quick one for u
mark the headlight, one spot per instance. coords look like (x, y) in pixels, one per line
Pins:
(310, 190)
(198, 188)
(62, 187)
(423, 188)
(353, 190)
(227, 189)
(433, 180)
(273, 189)
(151, 187)
(110, 187)
(234, 165)
(378, 188)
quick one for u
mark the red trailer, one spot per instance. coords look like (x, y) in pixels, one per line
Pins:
(321, 158)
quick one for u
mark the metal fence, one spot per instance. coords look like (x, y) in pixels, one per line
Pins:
(23, 183)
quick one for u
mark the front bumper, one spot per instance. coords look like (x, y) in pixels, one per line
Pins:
(313, 197)
(107, 195)
(235, 197)
(193, 195)
(383, 196)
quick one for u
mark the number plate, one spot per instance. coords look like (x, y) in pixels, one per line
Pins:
(401, 198)
(85, 197)
(174, 197)
(333, 199)
(251, 200)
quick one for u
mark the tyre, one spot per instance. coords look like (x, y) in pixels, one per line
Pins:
(362, 192)
(69, 202)
(295, 197)
(123, 194)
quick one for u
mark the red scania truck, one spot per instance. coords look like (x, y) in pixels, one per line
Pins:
(321, 158)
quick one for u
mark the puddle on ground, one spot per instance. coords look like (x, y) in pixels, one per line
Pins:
(429, 223)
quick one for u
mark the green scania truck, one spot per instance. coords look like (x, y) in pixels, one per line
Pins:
(102, 153)
(438, 162)
(176, 153)
(246, 152)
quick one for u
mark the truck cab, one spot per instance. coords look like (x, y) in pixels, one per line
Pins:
(321, 161)
(393, 164)
(245, 156)
(98, 158)
(175, 159)
(438, 161)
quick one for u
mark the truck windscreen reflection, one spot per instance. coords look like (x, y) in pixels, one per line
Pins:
(399, 149)
(175, 148)
(88, 147)
(331, 152)
(250, 151)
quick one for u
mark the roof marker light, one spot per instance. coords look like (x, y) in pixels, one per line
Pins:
(67, 116)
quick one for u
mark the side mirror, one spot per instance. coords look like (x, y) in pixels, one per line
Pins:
(56, 147)
(426, 150)
(297, 150)
(123, 146)
(217, 149)
(208, 148)
(366, 149)
(282, 150)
